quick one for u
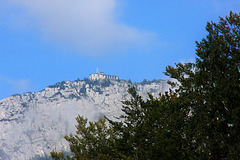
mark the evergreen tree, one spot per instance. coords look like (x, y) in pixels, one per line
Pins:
(150, 129)
(198, 120)
(210, 92)
(91, 141)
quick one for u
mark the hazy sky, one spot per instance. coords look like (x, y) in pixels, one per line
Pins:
(43, 42)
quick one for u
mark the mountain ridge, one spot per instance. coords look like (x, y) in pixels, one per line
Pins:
(34, 123)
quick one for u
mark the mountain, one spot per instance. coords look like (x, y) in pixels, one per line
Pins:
(35, 123)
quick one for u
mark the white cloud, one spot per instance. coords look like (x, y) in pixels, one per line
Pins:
(18, 86)
(88, 26)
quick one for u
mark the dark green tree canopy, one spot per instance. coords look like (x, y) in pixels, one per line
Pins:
(210, 90)
(197, 119)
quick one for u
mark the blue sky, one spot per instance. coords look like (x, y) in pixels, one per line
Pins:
(43, 42)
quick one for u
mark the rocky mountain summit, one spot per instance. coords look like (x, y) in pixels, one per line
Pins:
(36, 123)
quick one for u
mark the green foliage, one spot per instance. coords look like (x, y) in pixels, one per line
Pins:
(129, 81)
(144, 82)
(105, 83)
(101, 82)
(92, 141)
(150, 129)
(198, 120)
(24, 105)
(60, 85)
(209, 90)
(72, 96)
(58, 156)
(83, 90)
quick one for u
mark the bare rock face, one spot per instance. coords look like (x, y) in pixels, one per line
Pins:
(36, 123)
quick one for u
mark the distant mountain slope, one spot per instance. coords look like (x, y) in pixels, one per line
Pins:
(35, 123)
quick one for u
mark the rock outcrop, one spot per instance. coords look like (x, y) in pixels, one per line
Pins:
(36, 123)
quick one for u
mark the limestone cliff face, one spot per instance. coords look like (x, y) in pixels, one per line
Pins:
(35, 123)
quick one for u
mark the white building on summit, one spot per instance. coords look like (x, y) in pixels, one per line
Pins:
(101, 75)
